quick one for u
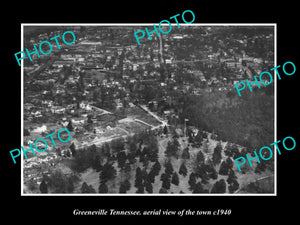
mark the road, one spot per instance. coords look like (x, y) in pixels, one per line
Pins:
(163, 122)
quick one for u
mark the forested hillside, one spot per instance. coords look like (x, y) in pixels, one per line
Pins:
(246, 120)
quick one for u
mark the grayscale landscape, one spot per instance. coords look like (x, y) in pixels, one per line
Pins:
(162, 117)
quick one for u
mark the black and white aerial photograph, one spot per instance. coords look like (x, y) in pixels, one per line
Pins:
(161, 117)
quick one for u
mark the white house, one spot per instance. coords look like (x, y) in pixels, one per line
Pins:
(40, 129)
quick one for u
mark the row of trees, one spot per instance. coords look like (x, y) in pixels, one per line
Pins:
(144, 148)
(144, 181)
(58, 182)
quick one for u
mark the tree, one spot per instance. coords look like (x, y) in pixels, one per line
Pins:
(84, 188)
(231, 176)
(89, 119)
(169, 168)
(61, 183)
(185, 153)
(91, 189)
(183, 170)
(138, 177)
(229, 162)
(117, 145)
(140, 189)
(156, 168)
(150, 141)
(96, 164)
(121, 158)
(219, 187)
(131, 157)
(199, 137)
(132, 147)
(172, 149)
(43, 187)
(144, 160)
(108, 172)
(150, 151)
(127, 168)
(164, 176)
(217, 155)
(176, 142)
(200, 158)
(106, 149)
(192, 181)
(148, 186)
(144, 174)
(233, 186)
(225, 166)
(202, 173)
(166, 184)
(165, 130)
(244, 151)
(153, 155)
(191, 138)
(138, 153)
(93, 148)
(151, 176)
(26, 132)
(125, 186)
(70, 126)
(73, 150)
(213, 173)
(103, 188)
(87, 188)
(58, 151)
(163, 191)
(68, 154)
(175, 179)
(70, 185)
(232, 151)
(32, 185)
(83, 159)
(198, 188)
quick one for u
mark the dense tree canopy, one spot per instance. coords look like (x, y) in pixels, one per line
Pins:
(219, 187)
(108, 172)
(217, 155)
(183, 170)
